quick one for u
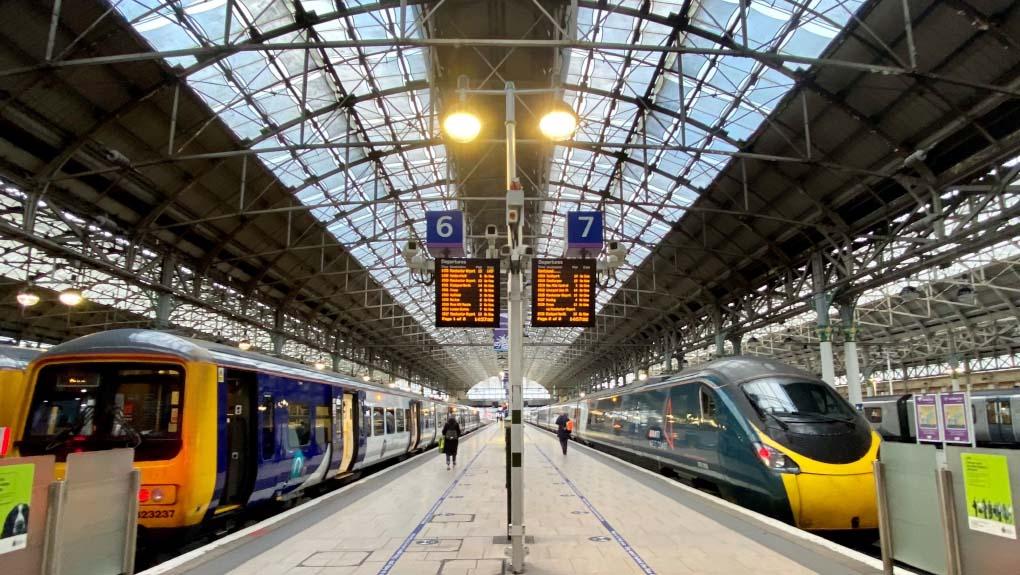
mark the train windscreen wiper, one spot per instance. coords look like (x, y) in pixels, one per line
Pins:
(62, 437)
(762, 412)
(829, 418)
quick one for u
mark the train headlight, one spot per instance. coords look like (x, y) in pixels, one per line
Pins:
(775, 459)
(157, 494)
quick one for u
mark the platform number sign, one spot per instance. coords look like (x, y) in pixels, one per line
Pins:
(444, 233)
(584, 233)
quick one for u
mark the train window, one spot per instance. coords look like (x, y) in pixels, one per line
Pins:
(322, 419)
(708, 406)
(378, 422)
(400, 420)
(992, 408)
(366, 421)
(389, 421)
(267, 413)
(873, 414)
(1005, 417)
(299, 432)
(683, 405)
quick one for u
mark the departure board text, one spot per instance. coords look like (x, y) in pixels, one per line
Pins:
(563, 293)
(467, 292)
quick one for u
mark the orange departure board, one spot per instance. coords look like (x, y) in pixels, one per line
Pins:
(467, 292)
(563, 293)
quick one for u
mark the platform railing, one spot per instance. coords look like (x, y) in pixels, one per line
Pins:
(86, 524)
(972, 526)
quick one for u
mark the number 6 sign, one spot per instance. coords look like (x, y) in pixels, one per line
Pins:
(444, 232)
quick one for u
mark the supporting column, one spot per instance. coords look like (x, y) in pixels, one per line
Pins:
(853, 368)
(720, 335)
(824, 329)
(277, 336)
(954, 372)
(736, 343)
(165, 301)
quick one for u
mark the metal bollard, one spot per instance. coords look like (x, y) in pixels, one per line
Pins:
(884, 525)
(947, 509)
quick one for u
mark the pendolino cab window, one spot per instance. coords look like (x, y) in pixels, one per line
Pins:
(96, 406)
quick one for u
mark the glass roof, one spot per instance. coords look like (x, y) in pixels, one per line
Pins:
(706, 104)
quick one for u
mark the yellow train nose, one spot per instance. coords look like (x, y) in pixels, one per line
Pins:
(833, 502)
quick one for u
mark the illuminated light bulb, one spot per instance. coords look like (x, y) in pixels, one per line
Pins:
(27, 298)
(70, 297)
(320, 365)
(366, 377)
(462, 127)
(244, 345)
(558, 124)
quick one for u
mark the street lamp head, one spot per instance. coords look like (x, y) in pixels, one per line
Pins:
(558, 124)
(70, 297)
(462, 126)
(27, 298)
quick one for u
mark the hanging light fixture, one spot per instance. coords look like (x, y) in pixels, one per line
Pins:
(966, 295)
(244, 344)
(320, 365)
(461, 125)
(27, 298)
(71, 297)
(642, 375)
(909, 293)
(559, 123)
(366, 378)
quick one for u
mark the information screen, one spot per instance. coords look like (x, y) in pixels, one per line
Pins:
(563, 293)
(467, 292)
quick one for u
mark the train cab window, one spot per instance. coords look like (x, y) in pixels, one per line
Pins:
(104, 405)
(299, 431)
(400, 420)
(322, 419)
(267, 415)
(378, 422)
(390, 421)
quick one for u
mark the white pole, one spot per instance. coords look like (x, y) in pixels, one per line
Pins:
(516, 329)
(853, 372)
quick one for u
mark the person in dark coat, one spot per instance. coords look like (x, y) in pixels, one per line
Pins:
(451, 437)
(562, 432)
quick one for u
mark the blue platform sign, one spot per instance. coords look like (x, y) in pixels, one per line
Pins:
(444, 233)
(584, 233)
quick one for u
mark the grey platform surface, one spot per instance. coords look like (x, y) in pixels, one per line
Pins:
(587, 512)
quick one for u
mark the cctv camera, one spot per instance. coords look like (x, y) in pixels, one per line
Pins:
(491, 232)
(504, 251)
(410, 250)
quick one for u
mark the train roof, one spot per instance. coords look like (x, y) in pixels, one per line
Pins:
(14, 357)
(190, 349)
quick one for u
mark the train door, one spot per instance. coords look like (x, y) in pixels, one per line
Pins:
(347, 416)
(414, 416)
(240, 463)
(1000, 420)
(708, 427)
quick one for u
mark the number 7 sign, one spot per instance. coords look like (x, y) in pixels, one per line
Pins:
(584, 233)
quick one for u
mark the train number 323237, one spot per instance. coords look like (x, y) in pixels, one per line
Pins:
(156, 514)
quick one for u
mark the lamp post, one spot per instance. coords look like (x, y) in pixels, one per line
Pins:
(462, 127)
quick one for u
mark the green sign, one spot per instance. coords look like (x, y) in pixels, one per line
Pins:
(15, 499)
(989, 498)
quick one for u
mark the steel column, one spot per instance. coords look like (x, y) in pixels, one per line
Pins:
(853, 368)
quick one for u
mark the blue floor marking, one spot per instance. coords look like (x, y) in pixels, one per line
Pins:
(645, 567)
(392, 561)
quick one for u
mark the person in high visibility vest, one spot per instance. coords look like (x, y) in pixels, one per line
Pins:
(564, 425)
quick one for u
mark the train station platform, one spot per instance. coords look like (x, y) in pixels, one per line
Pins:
(587, 513)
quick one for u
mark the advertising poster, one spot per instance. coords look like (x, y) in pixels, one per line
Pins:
(15, 498)
(926, 416)
(956, 418)
(989, 498)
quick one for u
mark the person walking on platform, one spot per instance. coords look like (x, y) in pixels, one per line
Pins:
(563, 428)
(451, 437)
